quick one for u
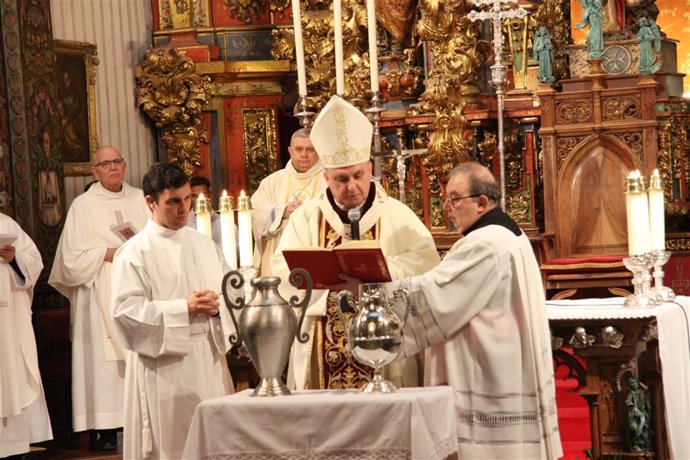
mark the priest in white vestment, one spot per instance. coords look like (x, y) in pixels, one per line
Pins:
(23, 412)
(168, 315)
(342, 137)
(97, 223)
(482, 313)
(281, 193)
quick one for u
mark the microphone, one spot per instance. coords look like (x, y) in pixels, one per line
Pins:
(354, 215)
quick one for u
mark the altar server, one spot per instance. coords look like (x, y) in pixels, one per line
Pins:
(167, 312)
(282, 192)
(342, 137)
(98, 221)
(482, 312)
(23, 412)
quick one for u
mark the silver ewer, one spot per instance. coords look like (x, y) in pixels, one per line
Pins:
(374, 333)
(268, 325)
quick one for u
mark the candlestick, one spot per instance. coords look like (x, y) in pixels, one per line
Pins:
(373, 49)
(338, 37)
(637, 211)
(299, 48)
(244, 224)
(642, 297)
(657, 226)
(202, 209)
(659, 259)
(227, 229)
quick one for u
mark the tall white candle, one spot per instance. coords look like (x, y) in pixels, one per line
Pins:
(203, 215)
(227, 229)
(244, 227)
(338, 36)
(299, 48)
(637, 212)
(373, 49)
(657, 226)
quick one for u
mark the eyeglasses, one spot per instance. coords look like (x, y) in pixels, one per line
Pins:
(454, 200)
(105, 164)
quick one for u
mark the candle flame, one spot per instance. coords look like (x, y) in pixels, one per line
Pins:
(201, 196)
(241, 192)
(225, 193)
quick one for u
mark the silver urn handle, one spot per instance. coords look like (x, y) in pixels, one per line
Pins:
(236, 281)
(348, 297)
(297, 277)
(404, 293)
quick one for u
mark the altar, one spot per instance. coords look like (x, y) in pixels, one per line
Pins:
(414, 423)
(616, 343)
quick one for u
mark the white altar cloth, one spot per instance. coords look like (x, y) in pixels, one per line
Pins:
(674, 352)
(414, 423)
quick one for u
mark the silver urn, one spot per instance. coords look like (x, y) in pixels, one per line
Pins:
(267, 325)
(374, 333)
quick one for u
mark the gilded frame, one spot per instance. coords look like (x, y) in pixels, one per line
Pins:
(76, 62)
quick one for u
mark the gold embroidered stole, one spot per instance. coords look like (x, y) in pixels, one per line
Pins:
(336, 368)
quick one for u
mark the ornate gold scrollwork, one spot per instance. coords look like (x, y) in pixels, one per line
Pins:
(574, 111)
(245, 10)
(672, 161)
(621, 107)
(260, 145)
(174, 96)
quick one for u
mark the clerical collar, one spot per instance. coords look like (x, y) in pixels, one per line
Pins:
(342, 212)
(495, 217)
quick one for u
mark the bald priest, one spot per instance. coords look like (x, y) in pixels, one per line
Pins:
(342, 138)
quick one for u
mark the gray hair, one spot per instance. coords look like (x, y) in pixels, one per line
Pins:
(302, 132)
(480, 180)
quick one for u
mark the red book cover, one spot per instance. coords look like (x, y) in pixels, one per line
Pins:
(363, 260)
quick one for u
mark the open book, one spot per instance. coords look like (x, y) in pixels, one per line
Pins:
(7, 238)
(362, 259)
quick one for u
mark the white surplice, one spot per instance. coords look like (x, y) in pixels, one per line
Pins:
(80, 274)
(269, 202)
(173, 361)
(406, 243)
(482, 312)
(23, 412)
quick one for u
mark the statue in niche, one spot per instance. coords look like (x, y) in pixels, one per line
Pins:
(646, 35)
(639, 412)
(543, 55)
(593, 16)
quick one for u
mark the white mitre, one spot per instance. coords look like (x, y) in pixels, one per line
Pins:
(341, 134)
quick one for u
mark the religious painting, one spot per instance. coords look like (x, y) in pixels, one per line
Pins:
(75, 70)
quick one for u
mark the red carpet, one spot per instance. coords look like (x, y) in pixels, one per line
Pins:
(573, 417)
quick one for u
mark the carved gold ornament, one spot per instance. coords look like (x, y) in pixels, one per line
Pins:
(174, 96)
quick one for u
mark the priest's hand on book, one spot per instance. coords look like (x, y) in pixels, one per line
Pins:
(7, 253)
(203, 303)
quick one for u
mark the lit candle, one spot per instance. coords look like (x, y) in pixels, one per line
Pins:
(657, 226)
(227, 229)
(373, 49)
(203, 215)
(637, 214)
(244, 227)
(299, 48)
(338, 34)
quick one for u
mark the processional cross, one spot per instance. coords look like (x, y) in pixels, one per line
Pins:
(498, 70)
(400, 154)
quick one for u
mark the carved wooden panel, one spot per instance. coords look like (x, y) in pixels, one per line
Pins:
(590, 200)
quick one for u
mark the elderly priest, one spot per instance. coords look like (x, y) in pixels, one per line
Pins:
(342, 137)
(482, 312)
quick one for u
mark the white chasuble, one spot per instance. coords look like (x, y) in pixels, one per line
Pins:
(269, 202)
(80, 274)
(173, 361)
(405, 241)
(23, 412)
(482, 312)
